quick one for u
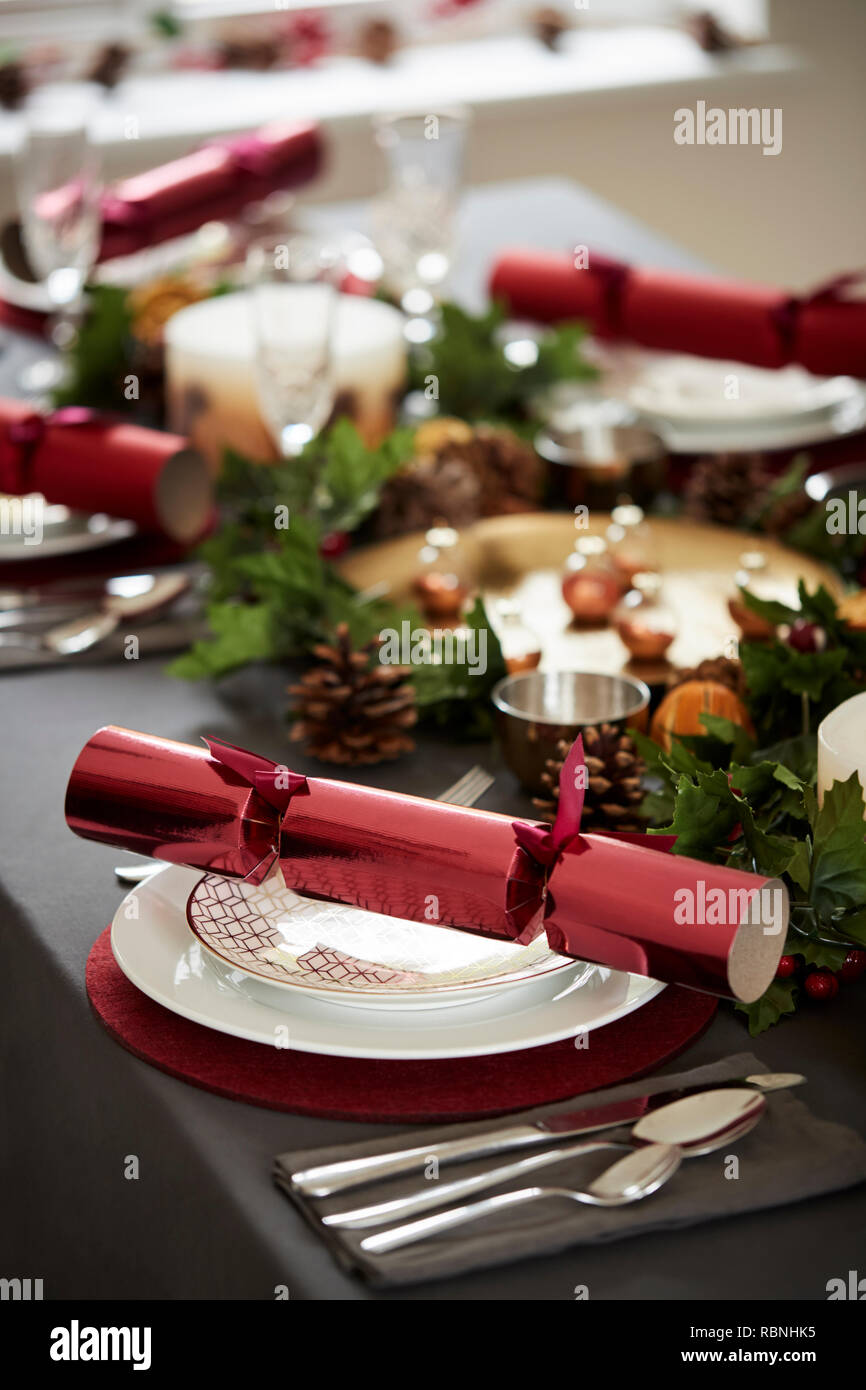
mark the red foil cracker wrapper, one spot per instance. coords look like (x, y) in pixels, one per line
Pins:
(620, 901)
(91, 463)
(823, 330)
(211, 184)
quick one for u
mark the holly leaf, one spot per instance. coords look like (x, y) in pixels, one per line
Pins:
(774, 1003)
(799, 868)
(724, 740)
(839, 852)
(770, 609)
(241, 633)
(352, 476)
(799, 755)
(822, 954)
(457, 694)
(474, 377)
(100, 357)
(852, 927)
(704, 816)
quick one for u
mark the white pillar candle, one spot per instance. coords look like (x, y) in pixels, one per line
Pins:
(211, 380)
(842, 745)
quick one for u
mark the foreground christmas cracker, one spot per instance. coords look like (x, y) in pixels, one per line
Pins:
(622, 901)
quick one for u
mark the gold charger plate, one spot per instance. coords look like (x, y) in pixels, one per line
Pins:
(522, 558)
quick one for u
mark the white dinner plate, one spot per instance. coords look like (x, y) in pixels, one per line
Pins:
(687, 401)
(154, 949)
(355, 958)
(698, 390)
(63, 533)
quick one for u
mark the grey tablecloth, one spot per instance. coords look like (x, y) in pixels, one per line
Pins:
(202, 1218)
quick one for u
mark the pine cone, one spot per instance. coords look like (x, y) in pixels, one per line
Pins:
(717, 668)
(255, 55)
(613, 793)
(510, 472)
(351, 709)
(13, 85)
(109, 65)
(377, 41)
(726, 489)
(785, 513)
(427, 491)
(709, 34)
(549, 25)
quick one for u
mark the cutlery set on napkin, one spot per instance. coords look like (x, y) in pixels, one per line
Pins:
(52, 623)
(493, 1194)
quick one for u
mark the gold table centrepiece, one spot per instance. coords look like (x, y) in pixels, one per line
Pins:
(521, 558)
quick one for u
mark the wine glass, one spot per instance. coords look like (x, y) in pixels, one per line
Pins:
(57, 181)
(414, 216)
(294, 297)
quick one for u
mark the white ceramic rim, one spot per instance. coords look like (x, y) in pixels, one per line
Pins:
(156, 952)
(72, 540)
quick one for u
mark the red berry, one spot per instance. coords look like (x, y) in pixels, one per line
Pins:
(806, 637)
(853, 966)
(787, 965)
(335, 544)
(821, 984)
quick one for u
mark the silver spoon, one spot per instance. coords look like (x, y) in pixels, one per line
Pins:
(133, 596)
(85, 632)
(697, 1125)
(631, 1178)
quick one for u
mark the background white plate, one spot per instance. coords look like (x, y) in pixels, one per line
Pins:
(154, 949)
(65, 533)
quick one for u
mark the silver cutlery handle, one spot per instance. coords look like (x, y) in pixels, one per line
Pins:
(407, 1234)
(327, 1178)
(441, 1194)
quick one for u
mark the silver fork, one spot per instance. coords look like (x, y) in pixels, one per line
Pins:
(464, 792)
(469, 788)
(441, 1194)
(637, 1175)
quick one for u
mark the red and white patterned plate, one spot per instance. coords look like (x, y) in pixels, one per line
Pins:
(354, 957)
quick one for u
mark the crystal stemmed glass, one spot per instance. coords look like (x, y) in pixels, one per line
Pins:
(57, 180)
(294, 297)
(414, 216)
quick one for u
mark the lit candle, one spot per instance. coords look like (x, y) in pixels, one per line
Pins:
(842, 745)
(211, 380)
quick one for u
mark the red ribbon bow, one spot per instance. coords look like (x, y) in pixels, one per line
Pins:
(831, 291)
(274, 783)
(545, 845)
(21, 439)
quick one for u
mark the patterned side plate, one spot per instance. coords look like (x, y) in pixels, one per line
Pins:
(351, 956)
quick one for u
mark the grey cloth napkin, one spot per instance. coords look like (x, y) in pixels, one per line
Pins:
(791, 1155)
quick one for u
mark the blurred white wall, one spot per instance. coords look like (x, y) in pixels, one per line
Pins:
(790, 219)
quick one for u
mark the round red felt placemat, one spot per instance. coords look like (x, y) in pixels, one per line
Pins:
(355, 1088)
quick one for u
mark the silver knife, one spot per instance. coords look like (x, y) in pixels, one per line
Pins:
(324, 1179)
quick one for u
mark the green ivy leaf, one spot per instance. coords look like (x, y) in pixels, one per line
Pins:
(476, 380)
(822, 954)
(839, 854)
(704, 816)
(242, 633)
(778, 1000)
